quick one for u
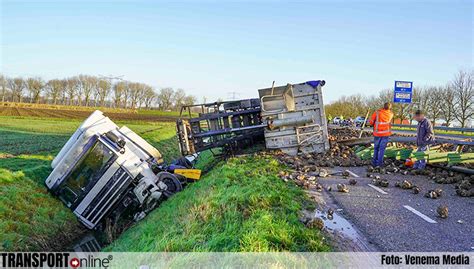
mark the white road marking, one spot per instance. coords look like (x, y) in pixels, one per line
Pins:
(377, 189)
(421, 215)
(352, 173)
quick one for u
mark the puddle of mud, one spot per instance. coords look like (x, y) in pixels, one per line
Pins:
(338, 224)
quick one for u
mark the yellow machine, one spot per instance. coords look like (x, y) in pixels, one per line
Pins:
(189, 173)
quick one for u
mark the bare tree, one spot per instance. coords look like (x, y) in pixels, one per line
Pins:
(149, 95)
(178, 98)
(372, 103)
(88, 85)
(35, 87)
(423, 98)
(126, 95)
(462, 84)
(71, 89)
(16, 86)
(119, 90)
(103, 90)
(190, 100)
(435, 94)
(3, 86)
(55, 87)
(165, 98)
(136, 91)
(446, 104)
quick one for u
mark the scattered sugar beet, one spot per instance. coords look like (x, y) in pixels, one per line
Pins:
(307, 168)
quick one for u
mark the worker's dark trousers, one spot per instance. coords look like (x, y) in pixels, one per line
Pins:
(380, 143)
(421, 164)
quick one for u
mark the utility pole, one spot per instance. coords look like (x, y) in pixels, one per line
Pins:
(233, 94)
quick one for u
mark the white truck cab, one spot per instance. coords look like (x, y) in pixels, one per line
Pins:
(106, 171)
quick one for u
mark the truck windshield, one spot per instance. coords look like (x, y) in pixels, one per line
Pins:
(89, 168)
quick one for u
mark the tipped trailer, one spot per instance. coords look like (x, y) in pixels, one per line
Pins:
(106, 172)
(295, 119)
(290, 118)
(231, 124)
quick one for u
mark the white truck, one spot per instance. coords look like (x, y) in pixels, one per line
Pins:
(104, 171)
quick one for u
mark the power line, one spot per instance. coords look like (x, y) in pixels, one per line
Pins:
(233, 94)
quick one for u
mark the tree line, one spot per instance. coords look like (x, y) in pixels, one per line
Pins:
(452, 102)
(87, 90)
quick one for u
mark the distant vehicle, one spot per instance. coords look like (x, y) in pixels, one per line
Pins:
(346, 122)
(336, 120)
(359, 121)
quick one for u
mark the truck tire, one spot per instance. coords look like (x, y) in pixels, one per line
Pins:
(172, 182)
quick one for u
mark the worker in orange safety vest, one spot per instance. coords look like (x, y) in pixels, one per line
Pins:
(381, 120)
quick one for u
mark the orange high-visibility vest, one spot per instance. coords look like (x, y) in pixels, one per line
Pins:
(381, 121)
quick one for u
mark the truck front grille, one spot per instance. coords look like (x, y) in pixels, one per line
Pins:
(107, 197)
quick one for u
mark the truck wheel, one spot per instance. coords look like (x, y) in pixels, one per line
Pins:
(172, 183)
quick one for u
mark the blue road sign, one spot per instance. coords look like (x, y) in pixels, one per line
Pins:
(402, 92)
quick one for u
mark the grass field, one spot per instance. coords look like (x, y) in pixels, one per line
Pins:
(444, 132)
(239, 206)
(81, 112)
(27, 147)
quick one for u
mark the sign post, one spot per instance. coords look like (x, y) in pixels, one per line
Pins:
(402, 92)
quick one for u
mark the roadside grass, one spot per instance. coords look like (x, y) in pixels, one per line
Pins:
(446, 132)
(30, 218)
(241, 205)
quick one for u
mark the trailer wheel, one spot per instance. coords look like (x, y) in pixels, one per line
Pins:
(172, 183)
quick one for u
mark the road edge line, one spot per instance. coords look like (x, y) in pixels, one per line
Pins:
(377, 189)
(419, 214)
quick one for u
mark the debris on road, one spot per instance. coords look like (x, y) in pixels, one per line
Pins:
(416, 189)
(330, 213)
(342, 188)
(465, 188)
(323, 173)
(380, 182)
(405, 184)
(432, 194)
(442, 211)
(317, 223)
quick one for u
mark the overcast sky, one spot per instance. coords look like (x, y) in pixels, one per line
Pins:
(212, 48)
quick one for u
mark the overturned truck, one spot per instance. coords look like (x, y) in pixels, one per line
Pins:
(106, 172)
(290, 118)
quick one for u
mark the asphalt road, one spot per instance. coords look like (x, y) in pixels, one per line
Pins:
(387, 224)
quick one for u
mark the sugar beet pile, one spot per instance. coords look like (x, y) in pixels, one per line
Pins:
(306, 169)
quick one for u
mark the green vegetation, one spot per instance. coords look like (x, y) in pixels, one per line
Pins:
(27, 147)
(239, 206)
(436, 131)
(29, 217)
